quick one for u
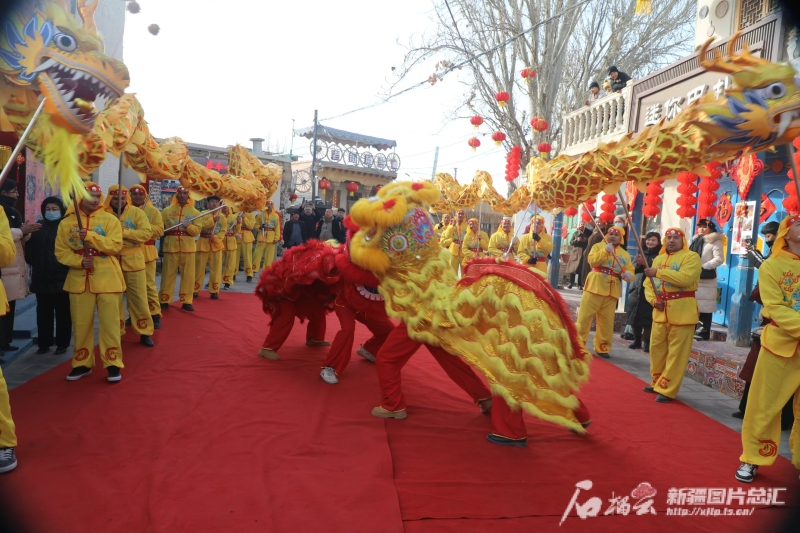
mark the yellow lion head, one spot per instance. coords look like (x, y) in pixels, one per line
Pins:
(395, 227)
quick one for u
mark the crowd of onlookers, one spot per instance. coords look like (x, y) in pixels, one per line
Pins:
(308, 223)
(617, 80)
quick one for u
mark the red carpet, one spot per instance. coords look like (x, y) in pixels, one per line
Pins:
(203, 435)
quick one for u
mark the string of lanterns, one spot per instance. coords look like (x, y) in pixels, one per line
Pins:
(588, 217)
(513, 160)
(791, 203)
(686, 189)
(608, 207)
(708, 185)
(652, 198)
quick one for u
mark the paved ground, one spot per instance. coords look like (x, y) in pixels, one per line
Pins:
(713, 404)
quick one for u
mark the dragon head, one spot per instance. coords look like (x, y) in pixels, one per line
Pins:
(48, 48)
(396, 230)
(762, 109)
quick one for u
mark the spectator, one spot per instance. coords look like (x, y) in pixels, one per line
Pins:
(640, 314)
(579, 240)
(619, 79)
(328, 228)
(294, 231)
(47, 280)
(769, 231)
(309, 217)
(342, 236)
(14, 276)
(708, 245)
(595, 93)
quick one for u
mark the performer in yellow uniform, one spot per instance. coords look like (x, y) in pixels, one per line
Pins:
(135, 232)
(140, 199)
(178, 249)
(610, 264)
(675, 273)
(535, 246)
(440, 228)
(475, 243)
(246, 244)
(776, 378)
(453, 237)
(268, 224)
(503, 240)
(94, 280)
(8, 436)
(210, 249)
(232, 238)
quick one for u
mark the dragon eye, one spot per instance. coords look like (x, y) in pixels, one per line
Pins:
(775, 90)
(65, 41)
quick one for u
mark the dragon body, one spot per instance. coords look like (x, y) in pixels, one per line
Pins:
(502, 318)
(47, 52)
(760, 110)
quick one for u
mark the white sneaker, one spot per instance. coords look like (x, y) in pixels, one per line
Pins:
(328, 375)
(365, 354)
(8, 461)
(746, 473)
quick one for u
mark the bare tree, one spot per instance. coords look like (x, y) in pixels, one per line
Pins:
(571, 43)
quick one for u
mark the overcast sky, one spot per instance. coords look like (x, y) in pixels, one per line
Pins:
(222, 72)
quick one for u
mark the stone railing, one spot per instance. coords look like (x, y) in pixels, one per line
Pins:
(605, 120)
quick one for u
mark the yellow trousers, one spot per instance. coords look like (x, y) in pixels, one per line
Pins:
(265, 251)
(215, 277)
(169, 274)
(455, 262)
(670, 347)
(775, 380)
(247, 256)
(231, 266)
(8, 438)
(152, 292)
(602, 308)
(138, 309)
(81, 307)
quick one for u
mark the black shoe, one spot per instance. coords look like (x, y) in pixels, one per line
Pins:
(747, 473)
(195, 294)
(9, 348)
(61, 349)
(78, 372)
(663, 399)
(145, 340)
(187, 307)
(41, 351)
(505, 441)
(603, 355)
(128, 323)
(627, 336)
(646, 347)
(702, 337)
(164, 306)
(156, 322)
(227, 286)
(249, 279)
(206, 285)
(569, 286)
(215, 296)
(738, 414)
(635, 344)
(649, 389)
(113, 374)
(8, 460)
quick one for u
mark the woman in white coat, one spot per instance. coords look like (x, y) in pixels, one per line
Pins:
(708, 245)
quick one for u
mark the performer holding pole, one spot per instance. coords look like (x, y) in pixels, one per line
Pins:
(179, 249)
(535, 246)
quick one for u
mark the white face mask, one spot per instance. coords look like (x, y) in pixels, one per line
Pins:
(52, 215)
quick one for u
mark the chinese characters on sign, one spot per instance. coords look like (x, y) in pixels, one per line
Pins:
(673, 106)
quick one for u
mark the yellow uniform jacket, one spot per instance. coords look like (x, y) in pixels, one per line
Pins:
(439, 229)
(606, 280)
(135, 232)
(453, 238)
(157, 229)
(472, 245)
(212, 233)
(780, 293)
(234, 227)
(180, 240)
(528, 247)
(677, 273)
(7, 254)
(500, 241)
(104, 238)
(248, 223)
(269, 227)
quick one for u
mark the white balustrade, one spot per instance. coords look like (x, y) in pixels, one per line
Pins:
(604, 121)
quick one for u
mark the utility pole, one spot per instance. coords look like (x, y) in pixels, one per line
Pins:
(314, 163)
(435, 161)
(291, 147)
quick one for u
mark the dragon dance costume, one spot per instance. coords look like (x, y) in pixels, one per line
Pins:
(501, 243)
(534, 247)
(151, 253)
(232, 238)
(8, 436)
(178, 249)
(268, 224)
(453, 238)
(210, 249)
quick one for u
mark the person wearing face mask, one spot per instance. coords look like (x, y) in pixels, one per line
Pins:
(640, 314)
(47, 280)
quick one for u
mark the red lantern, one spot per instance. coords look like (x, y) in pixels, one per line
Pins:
(498, 137)
(20, 159)
(476, 121)
(474, 143)
(502, 97)
(608, 207)
(707, 197)
(292, 197)
(571, 211)
(528, 73)
(652, 198)
(791, 203)
(687, 200)
(512, 163)
(375, 190)
(539, 124)
(352, 187)
(324, 184)
(588, 217)
(544, 149)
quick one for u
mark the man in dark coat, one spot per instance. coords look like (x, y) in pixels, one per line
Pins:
(619, 79)
(309, 217)
(294, 231)
(329, 227)
(47, 280)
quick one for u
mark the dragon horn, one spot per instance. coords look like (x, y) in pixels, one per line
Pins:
(87, 14)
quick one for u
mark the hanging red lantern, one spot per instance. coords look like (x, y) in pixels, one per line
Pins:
(791, 203)
(498, 137)
(292, 197)
(476, 121)
(539, 124)
(588, 217)
(608, 207)
(686, 189)
(544, 149)
(707, 198)
(474, 143)
(528, 73)
(513, 160)
(375, 190)
(502, 97)
(324, 184)
(652, 198)
(571, 211)
(352, 187)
